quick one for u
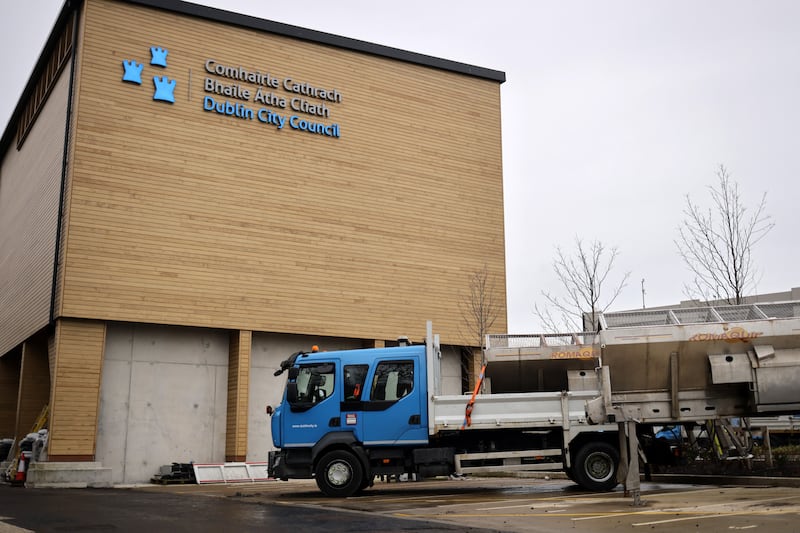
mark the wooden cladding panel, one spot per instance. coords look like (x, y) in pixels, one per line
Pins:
(31, 178)
(180, 215)
(238, 395)
(79, 346)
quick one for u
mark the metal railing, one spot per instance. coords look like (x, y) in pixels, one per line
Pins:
(700, 315)
(648, 317)
(541, 340)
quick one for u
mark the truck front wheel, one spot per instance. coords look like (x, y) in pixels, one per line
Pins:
(595, 466)
(339, 474)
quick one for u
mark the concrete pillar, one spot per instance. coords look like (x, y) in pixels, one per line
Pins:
(10, 365)
(78, 347)
(34, 388)
(241, 343)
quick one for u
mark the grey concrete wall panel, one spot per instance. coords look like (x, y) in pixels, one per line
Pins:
(163, 399)
(30, 180)
(451, 371)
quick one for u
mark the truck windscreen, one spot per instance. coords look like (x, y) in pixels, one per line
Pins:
(314, 383)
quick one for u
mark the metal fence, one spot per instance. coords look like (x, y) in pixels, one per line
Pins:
(700, 315)
(647, 317)
(542, 340)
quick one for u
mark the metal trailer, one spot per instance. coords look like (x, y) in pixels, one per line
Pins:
(666, 366)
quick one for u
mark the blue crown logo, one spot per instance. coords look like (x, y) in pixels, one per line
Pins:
(133, 71)
(158, 56)
(165, 89)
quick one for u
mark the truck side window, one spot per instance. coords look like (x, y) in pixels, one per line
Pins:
(315, 382)
(393, 380)
(354, 378)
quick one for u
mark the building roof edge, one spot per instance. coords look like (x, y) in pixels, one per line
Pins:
(319, 37)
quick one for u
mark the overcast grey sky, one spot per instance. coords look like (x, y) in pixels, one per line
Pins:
(612, 112)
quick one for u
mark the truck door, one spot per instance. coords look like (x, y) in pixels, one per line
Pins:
(393, 411)
(310, 395)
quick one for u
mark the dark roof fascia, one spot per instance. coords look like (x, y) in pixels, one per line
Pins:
(63, 17)
(319, 37)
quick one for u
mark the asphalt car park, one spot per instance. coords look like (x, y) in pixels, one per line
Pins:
(539, 504)
(472, 504)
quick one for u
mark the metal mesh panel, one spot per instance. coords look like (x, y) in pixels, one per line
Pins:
(512, 341)
(637, 318)
(540, 340)
(695, 315)
(739, 312)
(782, 310)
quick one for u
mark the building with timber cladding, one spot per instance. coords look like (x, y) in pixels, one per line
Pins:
(189, 195)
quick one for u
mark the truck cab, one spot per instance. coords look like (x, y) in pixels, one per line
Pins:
(349, 415)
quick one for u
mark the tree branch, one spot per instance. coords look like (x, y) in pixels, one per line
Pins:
(717, 246)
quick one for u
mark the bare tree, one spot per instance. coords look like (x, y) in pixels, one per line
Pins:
(583, 276)
(716, 243)
(480, 308)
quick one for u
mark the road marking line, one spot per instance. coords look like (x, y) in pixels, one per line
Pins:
(703, 517)
(439, 497)
(529, 504)
(589, 515)
(482, 515)
(695, 509)
(597, 516)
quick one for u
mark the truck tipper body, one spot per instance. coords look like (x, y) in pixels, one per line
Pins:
(569, 401)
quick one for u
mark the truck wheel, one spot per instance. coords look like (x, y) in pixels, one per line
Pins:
(339, 474)
(595, 466)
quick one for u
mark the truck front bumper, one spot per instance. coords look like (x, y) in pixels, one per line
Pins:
(290, 464)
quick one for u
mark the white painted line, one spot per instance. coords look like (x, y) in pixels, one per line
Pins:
(532, 505)
(439, 497)
(694, 511)
(615, 514)
(684, 518)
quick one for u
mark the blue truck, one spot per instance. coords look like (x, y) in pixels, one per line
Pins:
(349, 416)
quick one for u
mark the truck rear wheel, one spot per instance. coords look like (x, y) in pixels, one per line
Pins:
(595, 466)
(339, 474)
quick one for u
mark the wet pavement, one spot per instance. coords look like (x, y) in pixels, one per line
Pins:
(472, 504)
(131, 510)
